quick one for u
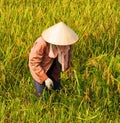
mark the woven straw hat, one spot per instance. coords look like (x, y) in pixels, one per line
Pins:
(60, 34)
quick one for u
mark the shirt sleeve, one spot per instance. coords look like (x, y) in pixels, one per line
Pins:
(35, 60)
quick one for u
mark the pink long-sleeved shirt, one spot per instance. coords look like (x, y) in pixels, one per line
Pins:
(40, 62)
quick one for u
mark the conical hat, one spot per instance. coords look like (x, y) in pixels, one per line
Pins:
(60, 34)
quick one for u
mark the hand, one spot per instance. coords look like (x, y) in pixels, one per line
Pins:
(49, 83)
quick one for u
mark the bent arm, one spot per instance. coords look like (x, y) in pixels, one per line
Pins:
(35, 60)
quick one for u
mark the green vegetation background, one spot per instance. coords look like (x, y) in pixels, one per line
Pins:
(92, 93)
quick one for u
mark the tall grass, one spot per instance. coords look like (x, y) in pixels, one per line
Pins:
(92, 92)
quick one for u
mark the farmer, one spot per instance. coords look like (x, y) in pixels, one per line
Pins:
(50, 55)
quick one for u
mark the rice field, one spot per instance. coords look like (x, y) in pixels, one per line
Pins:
(91, 94)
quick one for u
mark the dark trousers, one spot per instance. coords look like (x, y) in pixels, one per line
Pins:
(54, 74)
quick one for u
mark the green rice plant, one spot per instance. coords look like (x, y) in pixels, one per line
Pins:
(91, 92)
